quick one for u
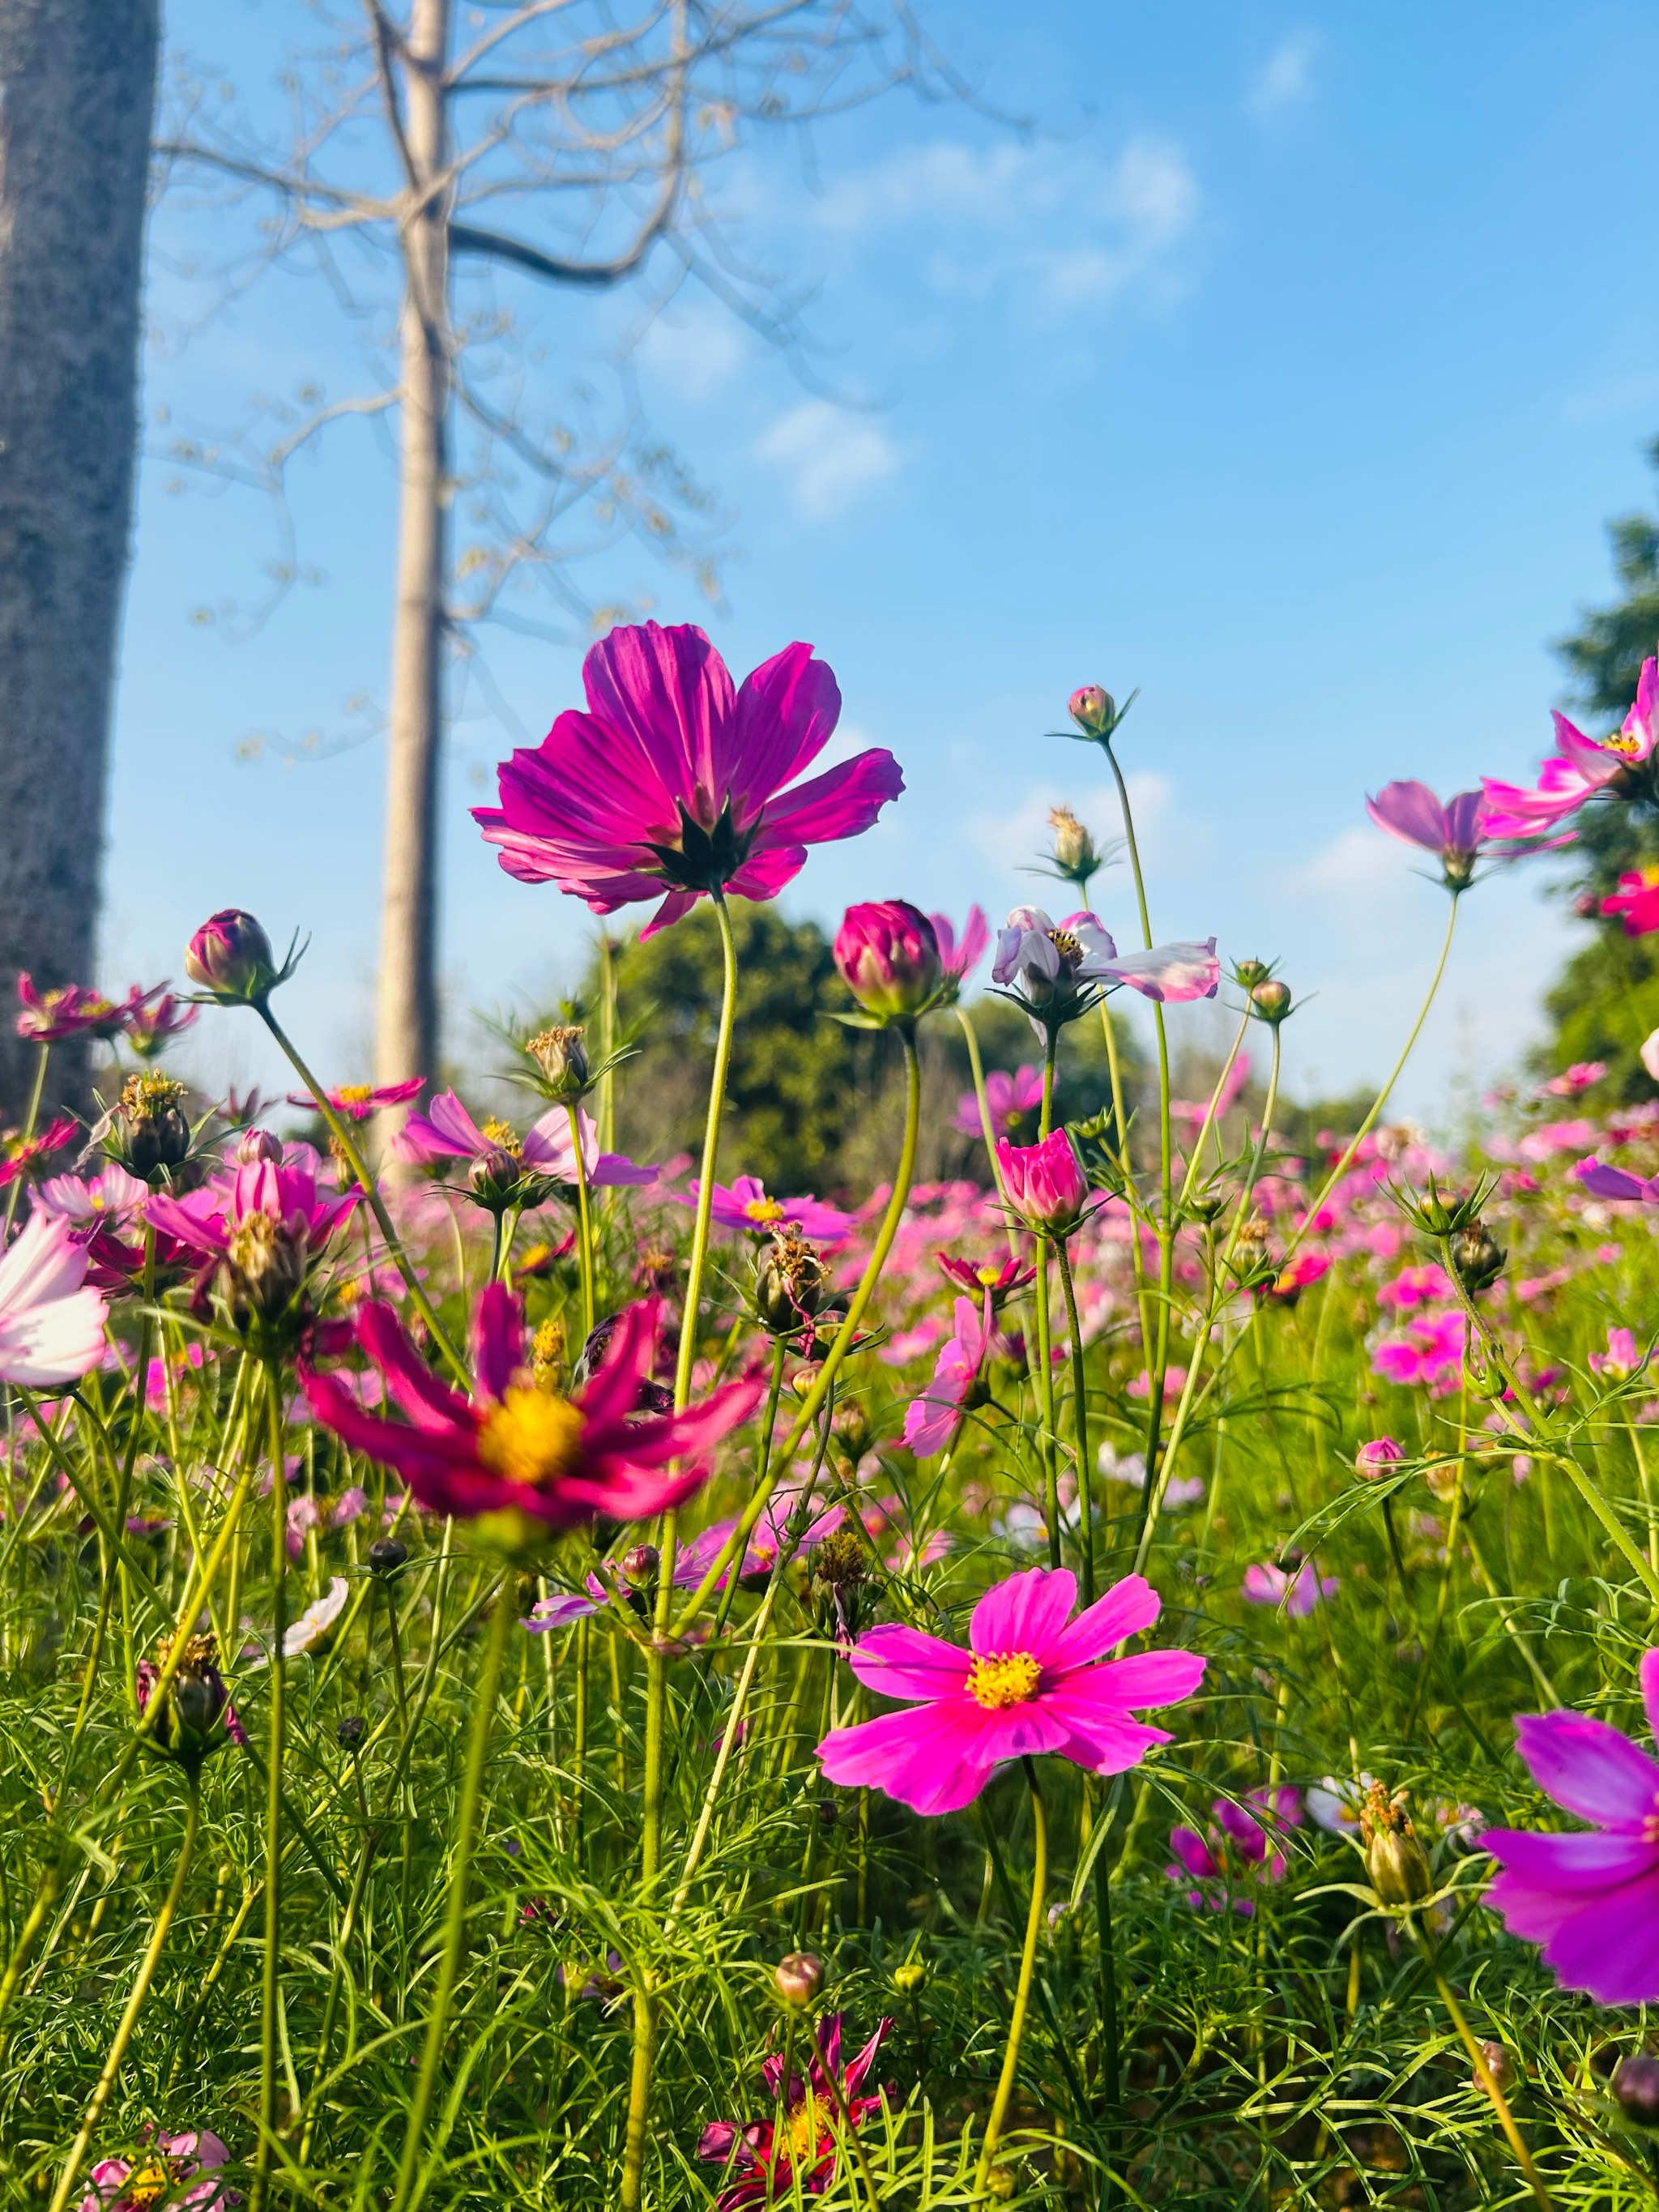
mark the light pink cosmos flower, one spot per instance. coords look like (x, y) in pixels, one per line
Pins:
(931, 1420)
(118, 2186)
(447, 1131)
(1582, 1075)
(1579, 768)
(52, 1325)
(1047, 961)
(1430, 1349)
(1415, 1286)
(1297, 1594)
(672, 780)
(1591, 1901)
(1621, 1358)
(1010, 1098)
(744, 1205)
(1238, 1851)
(104, 1212)
(1033, 1680)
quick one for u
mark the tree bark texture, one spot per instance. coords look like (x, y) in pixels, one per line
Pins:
(406, 1041)
(77, 84)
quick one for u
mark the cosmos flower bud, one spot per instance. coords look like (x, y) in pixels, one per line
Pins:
(385, 1555)
(909, 1976)
(789, 1282)
(798, 1977)
(1499, 2064)
(1270, 1001)
(888, 957)
(1075, 853)
(1000, 2183)
(230, 955)
(1045, 1183)
(351, 1730)
(1093, 709)
(1377, 1454)
(640, 1563)
(254, 1145)
(562, 1056)
(1396, 1863)
(496, 1178)
(1636, 2085)
(1477, 1257)
(1249, 973)
(153, 1128)
(196, 1715)
(851, 1429)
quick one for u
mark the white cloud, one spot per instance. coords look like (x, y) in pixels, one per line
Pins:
(1355, 864)
(1285, 79)
(830, 457)
(698, 353)
(1061, 224)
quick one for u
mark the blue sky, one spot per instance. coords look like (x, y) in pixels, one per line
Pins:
(1289, 371)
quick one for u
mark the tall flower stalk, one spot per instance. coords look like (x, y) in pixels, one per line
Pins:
(1010, 2073)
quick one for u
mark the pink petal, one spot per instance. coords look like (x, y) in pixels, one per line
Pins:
(1194, 1853)
(497, 1340)
(906, 1662)
(674, 908)
(411, 1384)
(1127, 1608)
(1026, 1613)
(843, 802)
(1649, 1669)
(786, 712)
(1590, 1768)
(1410, 811)
(930, 1768)
(1610, 1947)
(765, 872)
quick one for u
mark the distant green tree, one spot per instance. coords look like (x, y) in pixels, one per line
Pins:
(1606, 999)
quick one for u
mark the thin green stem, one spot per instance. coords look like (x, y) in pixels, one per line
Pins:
(584, 1224)
(271, 1963)
(988, 1128)
(31, 1122)
(1005, 2081)
(1484, 2073)
(1047, 1451)
(1080, 1426)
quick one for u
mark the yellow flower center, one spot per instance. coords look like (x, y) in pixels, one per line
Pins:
(531, 1436)
(999, 1678)
(355, 1094)
(151, 2184)
(502, 1135)
(764, 1210)
(1068, 946)
(806, 2128)
(1619, 743)
(990, 1277)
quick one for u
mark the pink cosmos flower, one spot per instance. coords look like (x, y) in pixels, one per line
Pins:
(672, 781)
(1410, 811)
(1576, 771)
(118, 2186)
(73, 1010)
(1582, 1075)
(52, 1325)
(151, 1029)
(1045, 1183)
(959, 956)
(514, 1449)
(1621, 1358)
(355, 1102)
(1430, 1349)
(1033, 1680)
(19, 1154)
(888, 958)
(447, 1131)
(103, 1212)
(931, 1420)
(1297, 1594)
(1591, 1901)
(1636, 900)
(1603, 1182)
(1048, 962)
(1237, 1851)
(1415, 1286)
(1375, 1455)
(278, 1182)
(767, 2160)
(1002, 1278)
(744, 1205)
(1010, 1098)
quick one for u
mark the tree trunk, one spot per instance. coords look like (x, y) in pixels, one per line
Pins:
(77, 82)
(407, 1031)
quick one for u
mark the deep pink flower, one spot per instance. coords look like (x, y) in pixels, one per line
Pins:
(931, 1420)
(1415, 1286)
(1576, 771)
(672, 781)
(1454, 831)
(744, 1205)
(149, 1029)
(1582, 1075)
(1621, 1358)
(1238, 1851)
(1430, 1349)
(888, 958)
(1591, 1901)
(768, 2162)
(1045, 1183)
(283, 1189)
(20, 1153)
(1375, 1455)
(515, 1451)
(355, 1102)
(1034, 1680)
(1001, 1278)
(118, 2186)
(1603, 1182)
(1009, 1097)
(73, 1010)
(447, 1131)
(1637, 900)
(52, 1325)
(1298, 1592)
(230, 955)
(960, 957)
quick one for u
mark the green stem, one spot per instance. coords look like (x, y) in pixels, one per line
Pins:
(1080, 1420)
(860, 2155)
(1005, 2089)
(584, 1225)
(607, 1042)
(140, 1991)
(988, 1128)
(270, 1968)
(31, 1121)
(1484, 2073)
(1047, 1452)
(411, 2182)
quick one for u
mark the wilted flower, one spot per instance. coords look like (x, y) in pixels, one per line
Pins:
(561, 1055)
(1477, 1258)
(1075, 855)
(790, 1282)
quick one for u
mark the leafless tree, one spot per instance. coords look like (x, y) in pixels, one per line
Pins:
(431, 168)
(77, 82)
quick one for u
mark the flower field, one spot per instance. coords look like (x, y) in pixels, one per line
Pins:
(1123, 1678)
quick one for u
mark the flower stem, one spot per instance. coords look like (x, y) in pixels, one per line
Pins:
(410, 2182)
(584, 1225)
(860, 2156)
(340, 1130)
(140, 1991)
(988, 1128)
(270, 1965)
(1045, 1361)
(1484, 2073)
(1005, 2089)
(31, 1122)
(1080, 1419)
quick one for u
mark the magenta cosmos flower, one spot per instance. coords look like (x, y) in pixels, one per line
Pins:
(1591, 1901)
(52, 1325)
(672, 780)
(1009, 1098)
(274, 1181)
(1297, 1593)
(1579, 768)
(1636, 901)
(23, 1153)
(1604, 1182)
(514, 1449)
(447, 1131)
(1045, 1183)
(767, 2160)
(355, 1102)
(744, 1205)
(888, 954)
(1237, 1852)
(1034, 1680)
(118, 2186)
(960, 956)
(932, 1421)
(73, 1010)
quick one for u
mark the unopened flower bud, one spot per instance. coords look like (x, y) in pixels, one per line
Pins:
(254, 1145)
(264, 1267)
(1477, 1257)
(496, 1178)
(798, 1977)
(1000, 2183)
(1093, 709)
(385, 1555)
(1499, 2064)
(230, 955)
(1074, 849)
(888, 958)
(1376, 1456)
(851, 1429)
(1636, 2085)
(562, 1056)
(154, 1128)
(1270, 1000)
(197, 1715)
(351, 1730)
(909, 1976)
(1249, 973)
(1395, 1862)
(640, 1563)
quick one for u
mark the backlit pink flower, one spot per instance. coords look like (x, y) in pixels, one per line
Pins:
(959, 956)
(282, 1188)
(1604, 1182)
(1415, 1286)
(1590, 1900)
(73, 1010)
(52, 1325)
(1297, 1594)
(1430, 1349)
(150, 1029)
(1033, 1680)
(1238, 1851)
(672, 780)
(769, 2161)
(447, 1131)
(1047, 963)
(18, 1154)
(355, 1102)
(516, 1450)
(931, 1420)
(1636, 900)
(1010, 1098)
(120, 2186)
(1582, 1075)
(1045, 1183)
(1621, 1358)
(888, 958)
(744, 1205)
(1576, 771)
